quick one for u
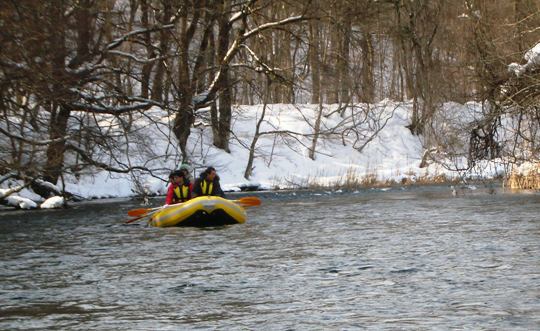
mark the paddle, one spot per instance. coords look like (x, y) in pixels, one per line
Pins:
(248, 201)
(137, 218)
(141, 211)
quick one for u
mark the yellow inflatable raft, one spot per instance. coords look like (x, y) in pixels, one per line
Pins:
(200, 212)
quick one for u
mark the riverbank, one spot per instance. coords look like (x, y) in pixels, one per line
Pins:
(384, 155)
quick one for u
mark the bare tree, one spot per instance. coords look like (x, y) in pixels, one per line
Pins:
(59, 66)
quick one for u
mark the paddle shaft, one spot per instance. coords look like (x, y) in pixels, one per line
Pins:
(138, 218)
(135, 219)
(141, 211)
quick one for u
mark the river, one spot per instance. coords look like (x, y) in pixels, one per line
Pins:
(400, 259)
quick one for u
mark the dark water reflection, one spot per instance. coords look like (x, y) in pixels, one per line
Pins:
(399, 260)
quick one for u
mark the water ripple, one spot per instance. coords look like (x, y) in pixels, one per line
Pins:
(393, 260)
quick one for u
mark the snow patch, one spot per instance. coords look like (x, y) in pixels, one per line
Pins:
(532, 57)
(53, 202)
(528, 168)
(20, 202)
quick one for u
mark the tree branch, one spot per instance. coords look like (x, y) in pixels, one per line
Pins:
(110, 110)
(82, 153)
(118, 41)
(33, 142)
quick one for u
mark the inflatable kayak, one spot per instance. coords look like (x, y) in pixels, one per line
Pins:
(200, 212)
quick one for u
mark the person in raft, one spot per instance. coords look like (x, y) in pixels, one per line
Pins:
(179, 190)
(187, 172)
(184, 169)
(208, 184)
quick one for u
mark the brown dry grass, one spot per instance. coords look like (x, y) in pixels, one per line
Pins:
(527, 181)
(351, 180)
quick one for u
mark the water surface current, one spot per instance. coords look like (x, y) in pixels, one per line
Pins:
(402, 259)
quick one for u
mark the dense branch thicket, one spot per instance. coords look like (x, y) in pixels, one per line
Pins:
(76, 75)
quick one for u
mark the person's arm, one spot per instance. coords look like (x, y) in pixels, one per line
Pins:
(217, 189)
(189, 193)
(170, 195)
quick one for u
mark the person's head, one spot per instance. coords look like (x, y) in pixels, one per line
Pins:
(177, 177)
(209, 174)
(185, 169)
(185, 172)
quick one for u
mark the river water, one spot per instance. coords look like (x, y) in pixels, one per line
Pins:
(402, 259)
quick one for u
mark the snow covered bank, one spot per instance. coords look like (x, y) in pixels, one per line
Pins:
(358, 145)
(381, 149)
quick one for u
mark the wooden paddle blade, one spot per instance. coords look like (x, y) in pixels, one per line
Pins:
(139, 212)
(149, 213)
(135, 219)
(142, 211)
(249, 201)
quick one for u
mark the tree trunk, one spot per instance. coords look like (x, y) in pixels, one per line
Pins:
(55, 151)
(59, 114)
(396, 85)
(414, 72)
(147, 38)
(249, 166)
(331, 64)
(225, 101)
(316, 132)
(293, 82)
(211, 59)
(225, 116)
(274, 57)
(184, 115)
(368, 54)
(314, 61)
(344, 76)
(406, 55)
(82, 13)
(158, 82)
(182, 125)
(205, 57)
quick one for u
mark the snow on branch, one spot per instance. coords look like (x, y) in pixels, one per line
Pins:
(263, 67)
(237, 44)
(118, 41)
(270, 25)
(84, 155)
(48, 185)
(113, 110)
(90, 98)
(33, 142)
(4, 193)
(135, 58)
(532, 57)
(242, 13)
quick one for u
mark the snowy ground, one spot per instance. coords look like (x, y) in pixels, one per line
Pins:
(382, 149)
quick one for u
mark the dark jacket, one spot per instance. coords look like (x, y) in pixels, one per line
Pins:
(212, 188)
